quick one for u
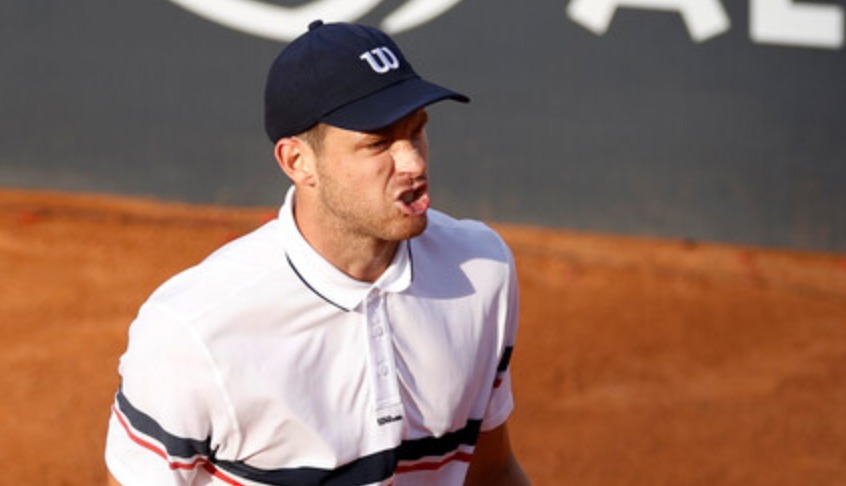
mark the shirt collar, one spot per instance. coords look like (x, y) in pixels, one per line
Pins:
(325, 279)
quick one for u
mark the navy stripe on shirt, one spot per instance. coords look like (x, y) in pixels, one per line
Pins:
(368, 469)
(506, 359)
(181, 447)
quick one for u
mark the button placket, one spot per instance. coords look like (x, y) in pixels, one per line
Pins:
(383, 366)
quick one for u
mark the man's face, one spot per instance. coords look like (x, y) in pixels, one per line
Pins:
(374, 184)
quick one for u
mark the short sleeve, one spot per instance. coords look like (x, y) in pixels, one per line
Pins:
(165, 410)
(501, 402)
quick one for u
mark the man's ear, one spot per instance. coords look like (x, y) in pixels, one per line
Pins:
(296, 159)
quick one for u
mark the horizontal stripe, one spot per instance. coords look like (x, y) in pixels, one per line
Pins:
(173, 445)
(149, 445)
(368, 469)
(200, 461)
(412, 450)
(432, 466)
(209, 467)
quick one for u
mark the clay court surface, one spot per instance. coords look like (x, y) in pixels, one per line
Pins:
(639, 362)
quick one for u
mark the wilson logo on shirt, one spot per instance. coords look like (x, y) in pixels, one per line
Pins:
(388, 419)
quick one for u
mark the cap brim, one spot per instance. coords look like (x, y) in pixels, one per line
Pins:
(389, 105)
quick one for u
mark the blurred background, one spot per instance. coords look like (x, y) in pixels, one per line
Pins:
(708, 120)
(657, 157)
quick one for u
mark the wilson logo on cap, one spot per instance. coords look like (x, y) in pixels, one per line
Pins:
(381, 59)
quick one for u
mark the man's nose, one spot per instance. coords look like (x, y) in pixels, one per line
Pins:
(409, 159)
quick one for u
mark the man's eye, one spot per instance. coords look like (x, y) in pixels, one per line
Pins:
(378, 144)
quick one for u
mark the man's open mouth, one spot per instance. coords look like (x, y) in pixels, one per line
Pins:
(415, 201)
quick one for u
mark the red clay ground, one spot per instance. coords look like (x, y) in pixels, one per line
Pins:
(639, 362)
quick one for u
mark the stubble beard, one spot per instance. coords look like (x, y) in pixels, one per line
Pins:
(351, 216)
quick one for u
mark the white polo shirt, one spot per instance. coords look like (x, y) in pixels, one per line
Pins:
(264, 364)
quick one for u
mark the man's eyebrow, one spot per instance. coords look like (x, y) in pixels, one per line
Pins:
(420, 119)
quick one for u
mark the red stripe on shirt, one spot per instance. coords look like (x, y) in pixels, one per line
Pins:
(200, 461)
(209, 467)
(431, 466)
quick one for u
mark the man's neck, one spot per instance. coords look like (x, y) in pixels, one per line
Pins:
(362, 260)
(360, 257)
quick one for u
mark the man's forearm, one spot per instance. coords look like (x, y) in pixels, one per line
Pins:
(510, 474)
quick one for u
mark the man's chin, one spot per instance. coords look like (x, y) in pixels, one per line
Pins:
(411, 227)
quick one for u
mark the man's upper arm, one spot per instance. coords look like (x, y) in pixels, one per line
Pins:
(161, 421)
(493, 461)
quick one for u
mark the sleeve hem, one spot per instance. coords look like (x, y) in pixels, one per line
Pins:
(500, 417)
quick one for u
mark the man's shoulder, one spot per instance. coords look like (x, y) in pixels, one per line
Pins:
(440, 221)
(466, 237)
(224, 275)
(457, 258)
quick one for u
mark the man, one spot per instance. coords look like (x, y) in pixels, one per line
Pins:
(360, 338)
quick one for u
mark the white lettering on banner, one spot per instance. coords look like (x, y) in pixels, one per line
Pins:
(704, 18)
(416, 12)
(387, 59)
(783, 22)
(284, 24)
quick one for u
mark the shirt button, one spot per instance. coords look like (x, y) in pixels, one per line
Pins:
(383, 370)
(378, 331)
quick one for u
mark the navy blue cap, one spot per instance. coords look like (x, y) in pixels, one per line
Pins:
(347, 75)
